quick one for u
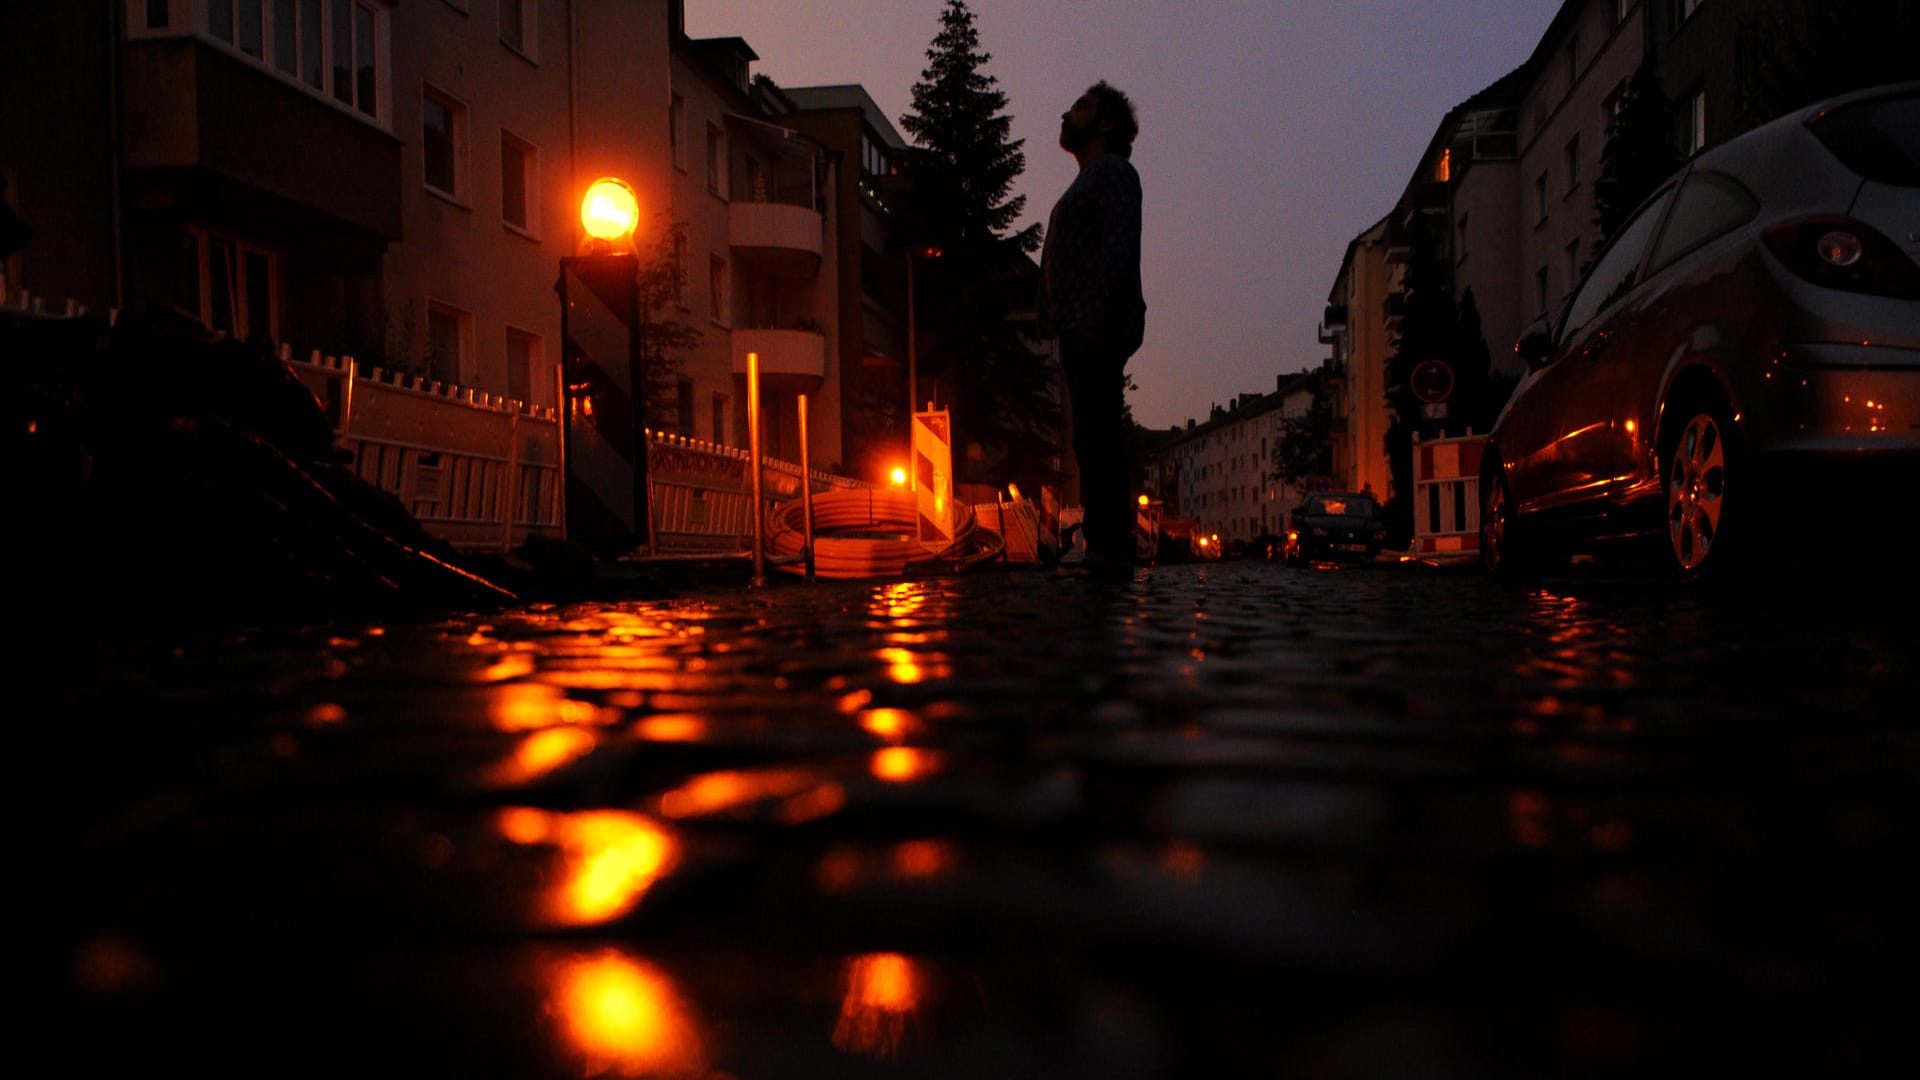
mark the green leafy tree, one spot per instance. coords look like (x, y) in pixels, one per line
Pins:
(1001, 387)
(663, 339)
(1304, 451)
(1638, 153)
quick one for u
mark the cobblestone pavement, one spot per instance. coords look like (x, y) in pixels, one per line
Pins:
(1232, 819)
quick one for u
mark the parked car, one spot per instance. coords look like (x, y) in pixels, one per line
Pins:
(1749, 339)
(1336, 525)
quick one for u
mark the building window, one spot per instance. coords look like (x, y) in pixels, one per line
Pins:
(334, 47)
(443, 139)
(1540, 199)
(677, 131)
(1573, 61)
(716, 161)
(313, 59)
(518, 25)
(1620, 9)
(720, 414)
(1460, 242)
(1573, 164)
(1540, 289)
(448, 332)
(873, 159)
(518, 181)
(523, 365)
(233, 285)
(680, 294)
(157, 14)
(683, 404)
(717, 290)
(1696, 115)
(1683, 10)
(1573, 260)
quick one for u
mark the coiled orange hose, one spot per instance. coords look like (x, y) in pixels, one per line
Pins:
(869, 533)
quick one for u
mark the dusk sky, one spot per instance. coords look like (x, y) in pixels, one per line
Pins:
(1271, 134)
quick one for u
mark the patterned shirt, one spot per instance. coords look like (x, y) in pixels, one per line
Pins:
(1092, 255)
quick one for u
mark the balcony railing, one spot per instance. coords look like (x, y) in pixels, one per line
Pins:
(779, 238)
(782, 352)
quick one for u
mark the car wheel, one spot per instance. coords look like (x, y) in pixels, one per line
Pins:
(1500, 552)
(1695, 470)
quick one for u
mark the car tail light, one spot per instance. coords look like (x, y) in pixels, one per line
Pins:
(1840, 253)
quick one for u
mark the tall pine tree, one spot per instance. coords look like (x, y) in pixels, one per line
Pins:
(1003, 394)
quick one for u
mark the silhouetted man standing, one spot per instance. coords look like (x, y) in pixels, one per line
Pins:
(1091, 264)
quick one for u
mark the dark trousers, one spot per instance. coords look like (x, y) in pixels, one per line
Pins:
(1096, 391)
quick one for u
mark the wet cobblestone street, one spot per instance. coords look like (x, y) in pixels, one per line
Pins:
(1231, 819)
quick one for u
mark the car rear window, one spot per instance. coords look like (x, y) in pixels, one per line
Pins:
(1878, 139)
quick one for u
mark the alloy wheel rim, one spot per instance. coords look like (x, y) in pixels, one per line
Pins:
(1493, 524)
(1696, 492)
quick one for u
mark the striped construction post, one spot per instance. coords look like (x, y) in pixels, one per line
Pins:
(933, 478)
(604, 397)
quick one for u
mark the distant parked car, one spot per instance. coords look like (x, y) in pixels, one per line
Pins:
(1746, 347)
(1336, 525)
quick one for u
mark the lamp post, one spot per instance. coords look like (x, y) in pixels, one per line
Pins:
(602, 383)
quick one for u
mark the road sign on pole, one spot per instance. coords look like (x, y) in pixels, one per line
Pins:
(603, 408)
(933, 478)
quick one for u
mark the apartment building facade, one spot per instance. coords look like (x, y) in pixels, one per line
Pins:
(1220, 472)
(399, 182)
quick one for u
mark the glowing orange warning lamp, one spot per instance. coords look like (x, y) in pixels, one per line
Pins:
(609, 211)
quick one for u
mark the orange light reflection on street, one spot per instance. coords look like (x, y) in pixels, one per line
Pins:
(903, 764)
(882, 992)
(544, 751)
(715, 792)
(890, 724)
(923, 858)
(625, 1017)
(610, 859)
(531, 706)
(672, 727)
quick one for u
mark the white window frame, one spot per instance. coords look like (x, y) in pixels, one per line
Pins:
(193, 18)
(529, 184)
(241, 316)
(1696, 122)
(529, 46)
(719, 290)
(717, 161)
(535, 365)
(457, 133)
(462, 342)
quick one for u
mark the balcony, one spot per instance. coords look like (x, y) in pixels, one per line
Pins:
(778, 238)
(206, 129)
(782, 352)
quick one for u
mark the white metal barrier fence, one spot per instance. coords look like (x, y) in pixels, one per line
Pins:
(483, 472)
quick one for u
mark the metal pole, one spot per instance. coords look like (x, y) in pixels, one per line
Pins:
(913, 371)
(509, 484)
(563, 410)
(806, 489)
(753, 463)
(346, 397)
(913, 345)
